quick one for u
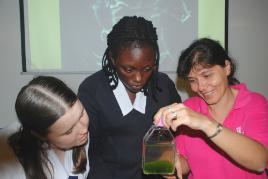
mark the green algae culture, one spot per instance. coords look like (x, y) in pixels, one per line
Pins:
(158, 151)
(158, 167)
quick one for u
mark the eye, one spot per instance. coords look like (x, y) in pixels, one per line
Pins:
(191, 80)
(147, 69)
(69, 131)
(128, 70)
(207, 75)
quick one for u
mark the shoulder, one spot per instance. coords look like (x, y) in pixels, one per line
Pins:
(258, 98)
(93, 90)
(248, 97)
(164, 80)
(92, 83)
(93, 78)
(168, 88)
(163, 76)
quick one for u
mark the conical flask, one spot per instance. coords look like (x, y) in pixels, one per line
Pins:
(158, 155)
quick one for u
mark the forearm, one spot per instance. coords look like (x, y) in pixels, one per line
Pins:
(184, 165)
(245, 151)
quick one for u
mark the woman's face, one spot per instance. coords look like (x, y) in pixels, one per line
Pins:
(134, 66)
(71, 129)
(210, 83)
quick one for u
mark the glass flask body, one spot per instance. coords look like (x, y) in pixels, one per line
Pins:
(159, 151)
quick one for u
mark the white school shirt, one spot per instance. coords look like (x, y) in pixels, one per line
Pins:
(64, 171)
(124, 101)
(10, 167)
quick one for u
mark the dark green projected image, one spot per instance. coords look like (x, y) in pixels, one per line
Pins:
(158, 167)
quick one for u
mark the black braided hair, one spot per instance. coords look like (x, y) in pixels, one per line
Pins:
(129, 31)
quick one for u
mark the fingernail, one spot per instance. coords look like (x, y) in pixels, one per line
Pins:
(160, 123)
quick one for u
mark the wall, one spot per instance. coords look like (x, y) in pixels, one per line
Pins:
(248, 39)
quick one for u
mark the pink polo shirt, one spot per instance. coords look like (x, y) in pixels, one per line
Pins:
(249, 116)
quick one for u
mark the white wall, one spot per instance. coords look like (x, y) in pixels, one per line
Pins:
(248, 41)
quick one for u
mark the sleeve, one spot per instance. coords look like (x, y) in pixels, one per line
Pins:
(88, 97)
(256, 123)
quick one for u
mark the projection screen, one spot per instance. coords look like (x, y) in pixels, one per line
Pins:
(69, 36)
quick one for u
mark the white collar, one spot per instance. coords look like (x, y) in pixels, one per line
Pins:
(124, 101)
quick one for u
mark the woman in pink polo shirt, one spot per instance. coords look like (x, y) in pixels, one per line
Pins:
(223, 131)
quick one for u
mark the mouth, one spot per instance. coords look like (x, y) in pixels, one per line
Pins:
(136, 87)
(207, 94)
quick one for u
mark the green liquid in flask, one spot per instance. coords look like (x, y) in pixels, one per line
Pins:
(158, 167)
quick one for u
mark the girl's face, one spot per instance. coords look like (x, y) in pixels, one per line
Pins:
(210, 83)
(134, 66)
(71, 129)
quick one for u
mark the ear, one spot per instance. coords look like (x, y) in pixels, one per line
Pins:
(227, 67)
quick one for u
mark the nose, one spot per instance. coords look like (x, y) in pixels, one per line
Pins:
(137, 76)
(201, 85)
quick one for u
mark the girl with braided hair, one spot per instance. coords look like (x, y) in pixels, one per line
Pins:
(122, 98)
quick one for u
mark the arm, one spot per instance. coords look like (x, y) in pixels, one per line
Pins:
(182, 165)
(87, 95)
(242, 149)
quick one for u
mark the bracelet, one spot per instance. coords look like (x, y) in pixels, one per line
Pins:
(218, 130)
